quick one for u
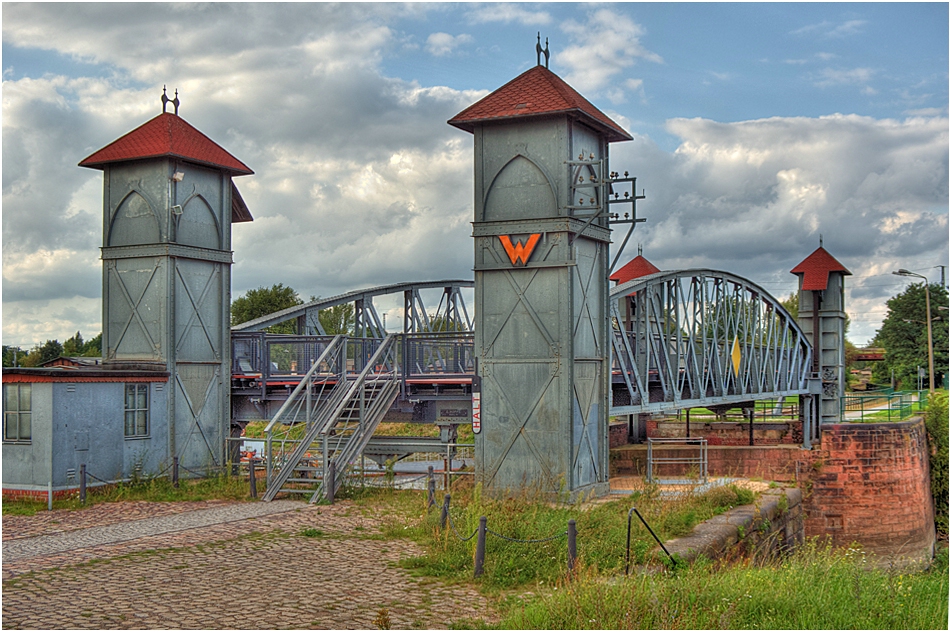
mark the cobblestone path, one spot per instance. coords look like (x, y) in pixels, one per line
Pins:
(218, 565)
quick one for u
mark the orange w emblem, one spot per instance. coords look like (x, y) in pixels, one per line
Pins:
(519, 251)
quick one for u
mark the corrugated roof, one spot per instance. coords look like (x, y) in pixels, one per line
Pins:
(537, 92)
(815, 269)
(166, 135)
(634, 269)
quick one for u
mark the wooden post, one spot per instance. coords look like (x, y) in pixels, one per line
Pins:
(82, 483)
(252, 472)
(480, 546)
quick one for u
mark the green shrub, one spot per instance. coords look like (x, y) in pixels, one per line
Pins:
(938, 436)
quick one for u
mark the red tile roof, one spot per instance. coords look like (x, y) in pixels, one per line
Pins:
(537, 92)
(167, 135)
(634, 269)
(816, 268)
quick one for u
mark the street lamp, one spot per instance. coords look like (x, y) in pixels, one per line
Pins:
(930, 335)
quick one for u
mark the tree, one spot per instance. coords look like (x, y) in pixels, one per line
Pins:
(337, 319)
(791, 305)
(93, 347)
(13, 356)
(49, 350)
(264, 301)
(74, 346)
(903, 335)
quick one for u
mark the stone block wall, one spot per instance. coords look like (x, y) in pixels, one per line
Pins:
(774, 525)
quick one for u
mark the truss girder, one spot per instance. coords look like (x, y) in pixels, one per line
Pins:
(703, 337)
(455, 309)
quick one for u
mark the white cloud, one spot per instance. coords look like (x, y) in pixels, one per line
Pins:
(507, 13)
(833, 77)
(752, 197)
(831, 29)
(602, 47)
(441, 44)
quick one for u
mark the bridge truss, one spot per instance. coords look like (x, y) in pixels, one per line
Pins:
(690, 338)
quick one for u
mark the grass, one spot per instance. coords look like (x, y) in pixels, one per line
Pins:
(817, 588)
(223, 486)
(601, 532)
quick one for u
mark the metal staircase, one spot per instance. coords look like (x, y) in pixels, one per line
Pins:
(339, 421)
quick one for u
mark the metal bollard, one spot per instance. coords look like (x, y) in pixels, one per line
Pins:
(571, 545)
(49, 496)
(252, 472)
(445, 511)
(431, 500)
(480, 546)
(331, 482)
(175, 472)
(82, 483)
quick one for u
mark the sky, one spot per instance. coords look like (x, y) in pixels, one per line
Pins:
(759, 129)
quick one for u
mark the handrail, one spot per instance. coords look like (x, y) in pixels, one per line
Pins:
(304, 380)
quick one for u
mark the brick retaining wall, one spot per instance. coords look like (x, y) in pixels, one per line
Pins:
(728, 432)
(867, 483)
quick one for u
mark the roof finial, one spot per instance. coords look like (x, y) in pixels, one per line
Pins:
(166, 100)
(821, 241)
(545, 50)
(639, 250)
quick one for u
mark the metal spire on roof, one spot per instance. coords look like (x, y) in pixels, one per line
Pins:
(166, 100)
(821, 241)
(639, 249)
(545, 50)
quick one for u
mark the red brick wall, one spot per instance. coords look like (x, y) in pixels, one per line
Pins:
(871, 483)
(868, 483)
(728, 432)
(618, 435)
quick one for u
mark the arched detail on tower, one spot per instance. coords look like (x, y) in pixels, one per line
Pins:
(520, 190)
(134, 222)
(197, 225)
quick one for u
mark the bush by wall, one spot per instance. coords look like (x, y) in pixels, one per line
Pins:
(938, 435)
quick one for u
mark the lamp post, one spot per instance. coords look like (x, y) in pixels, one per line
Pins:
(930, 335)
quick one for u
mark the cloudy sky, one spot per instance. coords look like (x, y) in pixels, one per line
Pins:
(758, 128)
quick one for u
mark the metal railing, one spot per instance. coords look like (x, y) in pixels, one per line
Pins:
(882, 406)
(696, 465)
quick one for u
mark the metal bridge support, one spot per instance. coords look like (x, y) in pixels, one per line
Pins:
(166, 277)
(821, 314)
(541, 266)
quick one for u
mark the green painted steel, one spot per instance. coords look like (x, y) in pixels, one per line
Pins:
(541, 328)
(166, 292)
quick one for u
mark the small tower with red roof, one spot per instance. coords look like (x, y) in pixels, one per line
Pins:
(637, 267)
(168, 205)
(541, 265)
(821, 315)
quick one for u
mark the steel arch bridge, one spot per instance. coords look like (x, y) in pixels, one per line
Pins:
(689, 338)
(680, 339)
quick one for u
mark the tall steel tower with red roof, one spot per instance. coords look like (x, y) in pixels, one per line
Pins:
(821, 314)
(541, 265)
(168, 205)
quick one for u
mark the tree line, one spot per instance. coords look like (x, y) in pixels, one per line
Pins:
(52, 349)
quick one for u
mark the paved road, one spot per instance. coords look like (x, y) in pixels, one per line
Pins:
(228, 565)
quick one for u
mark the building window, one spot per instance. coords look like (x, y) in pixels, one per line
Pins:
(136, 410)
(17, 412)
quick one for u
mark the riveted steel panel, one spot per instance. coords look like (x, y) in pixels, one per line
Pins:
(166, 292)
(541, 290)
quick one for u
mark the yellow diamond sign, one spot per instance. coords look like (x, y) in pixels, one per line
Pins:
(736, 355)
